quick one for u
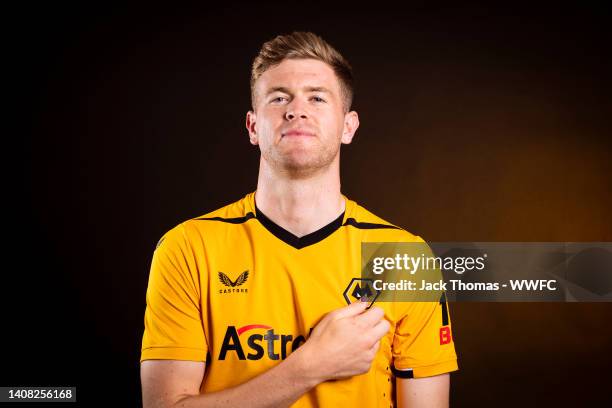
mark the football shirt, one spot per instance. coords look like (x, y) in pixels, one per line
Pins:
(241, 293)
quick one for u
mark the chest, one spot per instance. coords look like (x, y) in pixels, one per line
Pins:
(290, 287)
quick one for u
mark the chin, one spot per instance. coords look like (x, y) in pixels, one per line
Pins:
(299, 159)
(301, 162)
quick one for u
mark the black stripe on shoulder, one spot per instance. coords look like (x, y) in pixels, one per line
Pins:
(402, 373)
(367, 225)
(237, 220)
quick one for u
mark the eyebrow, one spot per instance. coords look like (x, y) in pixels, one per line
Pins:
(308, 89)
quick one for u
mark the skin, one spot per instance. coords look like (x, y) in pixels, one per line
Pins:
(299, 175)
(299, 122)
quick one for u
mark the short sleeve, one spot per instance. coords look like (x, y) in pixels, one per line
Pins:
(423, 344)
(173, 318)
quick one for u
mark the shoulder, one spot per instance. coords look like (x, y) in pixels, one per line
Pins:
(230, 213)
(376, 227)
(229, 216)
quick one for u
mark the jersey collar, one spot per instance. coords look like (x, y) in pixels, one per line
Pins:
(291, 239)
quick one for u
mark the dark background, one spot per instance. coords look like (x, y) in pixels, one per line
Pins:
(477, 124)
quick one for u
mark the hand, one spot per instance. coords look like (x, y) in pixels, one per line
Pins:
(344, 342)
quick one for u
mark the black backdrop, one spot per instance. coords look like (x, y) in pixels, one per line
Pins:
(477, 124)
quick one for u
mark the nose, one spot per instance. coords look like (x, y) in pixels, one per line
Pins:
(295, 109)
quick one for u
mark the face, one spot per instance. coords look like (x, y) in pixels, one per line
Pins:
(299, 120)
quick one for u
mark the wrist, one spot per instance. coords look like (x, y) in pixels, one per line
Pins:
(306, 368)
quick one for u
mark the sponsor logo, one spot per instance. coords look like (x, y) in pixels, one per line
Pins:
(258, 345)
(233, 285)
(445, 335)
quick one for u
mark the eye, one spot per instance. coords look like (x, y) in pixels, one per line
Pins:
(318, 99)
(278, 99)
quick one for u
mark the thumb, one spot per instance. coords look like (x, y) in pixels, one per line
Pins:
(353, 309)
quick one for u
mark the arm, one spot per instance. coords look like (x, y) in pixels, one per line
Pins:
(342, 345)
(428, 392)
(174, 383)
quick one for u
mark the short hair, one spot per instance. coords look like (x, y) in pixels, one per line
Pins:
(298, 45)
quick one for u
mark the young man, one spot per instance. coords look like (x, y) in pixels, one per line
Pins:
(246, 305)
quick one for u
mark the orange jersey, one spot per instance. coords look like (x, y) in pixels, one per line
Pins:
(241, 293)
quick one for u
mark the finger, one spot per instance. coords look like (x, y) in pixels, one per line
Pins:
(351, 310)
(371, 316)
(375, 347)
(381, 329)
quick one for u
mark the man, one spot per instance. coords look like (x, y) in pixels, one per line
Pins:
(245, 305)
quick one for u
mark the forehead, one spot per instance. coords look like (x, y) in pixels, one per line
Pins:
(297, 73)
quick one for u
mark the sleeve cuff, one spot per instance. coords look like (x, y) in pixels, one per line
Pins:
(403, 370)
(172, 353)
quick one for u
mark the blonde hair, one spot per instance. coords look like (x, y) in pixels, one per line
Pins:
(298, 45)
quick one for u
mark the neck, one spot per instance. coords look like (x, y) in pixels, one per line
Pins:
(300, 204)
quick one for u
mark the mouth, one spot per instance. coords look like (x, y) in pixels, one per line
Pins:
(297, 133)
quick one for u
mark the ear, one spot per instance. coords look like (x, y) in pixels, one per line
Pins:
(351, 123)
(250, 125)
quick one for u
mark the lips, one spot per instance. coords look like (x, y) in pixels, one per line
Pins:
(298, 132)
